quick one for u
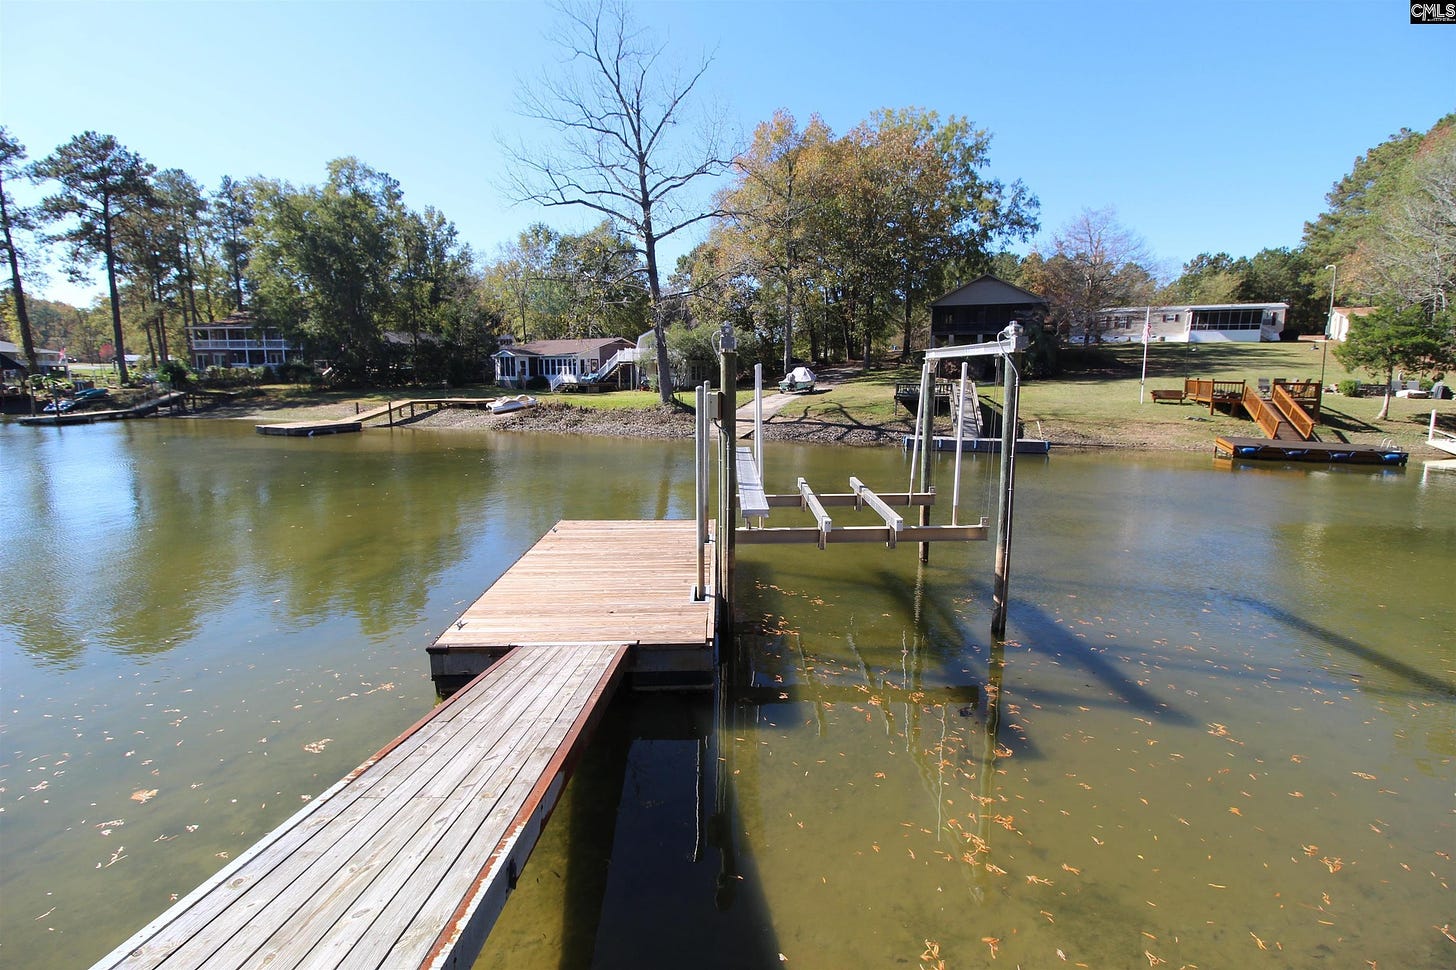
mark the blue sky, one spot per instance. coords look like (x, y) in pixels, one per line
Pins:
(1206, 126)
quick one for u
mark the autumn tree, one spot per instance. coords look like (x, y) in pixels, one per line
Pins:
(14, 219)
(519, 278)
(1413, 258)
(100, 181)
(625, 144)
(781, 186)
(1358, 229)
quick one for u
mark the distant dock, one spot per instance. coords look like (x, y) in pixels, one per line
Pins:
(387, 415)
(170, 399)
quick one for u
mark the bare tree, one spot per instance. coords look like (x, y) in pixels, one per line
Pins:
(619, 118)
(1100, 263)
(1413, 259)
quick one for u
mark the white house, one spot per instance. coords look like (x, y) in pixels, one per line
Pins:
(515, 364)
(237, 341)
(1338, 327)
(1198, 324)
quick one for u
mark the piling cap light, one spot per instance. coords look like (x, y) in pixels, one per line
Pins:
(725, 340)
(1015, 334)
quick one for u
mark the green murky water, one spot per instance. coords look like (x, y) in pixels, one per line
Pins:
(1222, 728)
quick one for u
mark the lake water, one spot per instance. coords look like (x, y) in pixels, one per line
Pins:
(1222, 726)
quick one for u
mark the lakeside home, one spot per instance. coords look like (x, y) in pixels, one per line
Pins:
(1188, 323)
(515, 364)
(238, 341)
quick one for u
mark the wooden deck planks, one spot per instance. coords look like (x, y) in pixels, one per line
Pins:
(594, 582)
(254, 882)
(371, 873)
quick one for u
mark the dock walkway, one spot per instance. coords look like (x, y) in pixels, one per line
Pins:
(391, 412)
(407, 862)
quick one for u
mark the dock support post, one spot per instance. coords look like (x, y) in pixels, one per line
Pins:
(700, 479)
(758, 420)
(960, 430)
(1012, 378)
(927, 405)
(727, 475)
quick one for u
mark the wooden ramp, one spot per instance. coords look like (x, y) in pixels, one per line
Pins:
(408, 861)
(593, 581)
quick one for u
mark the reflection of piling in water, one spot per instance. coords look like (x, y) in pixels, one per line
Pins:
(986, 773)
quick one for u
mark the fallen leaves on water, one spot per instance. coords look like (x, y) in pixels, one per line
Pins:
(144, 795)
(315, 747)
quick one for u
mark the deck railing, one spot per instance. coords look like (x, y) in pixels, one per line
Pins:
(1293, 410)
(1263, 413)
(1213, 393)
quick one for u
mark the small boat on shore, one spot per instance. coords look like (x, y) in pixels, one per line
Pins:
(797, 381)
(507, 404)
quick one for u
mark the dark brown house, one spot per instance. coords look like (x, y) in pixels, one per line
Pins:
(981, 309)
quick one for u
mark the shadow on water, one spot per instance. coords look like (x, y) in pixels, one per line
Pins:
(642, 865)
(1424, 682)
(1040, 631)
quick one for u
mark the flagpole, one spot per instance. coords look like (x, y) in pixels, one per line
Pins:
(1147, 332)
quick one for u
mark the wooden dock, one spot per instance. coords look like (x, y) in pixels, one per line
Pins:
(593, 581)
(148, 407)
(407, 862)
(388, 414)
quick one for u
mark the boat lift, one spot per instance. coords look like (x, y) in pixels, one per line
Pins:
(741, 478)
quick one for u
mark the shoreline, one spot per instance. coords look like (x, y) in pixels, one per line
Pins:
(665, 422)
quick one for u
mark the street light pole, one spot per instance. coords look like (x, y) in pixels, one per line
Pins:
(1329, 322)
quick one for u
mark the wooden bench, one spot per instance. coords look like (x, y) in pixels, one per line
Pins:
(1168, 394)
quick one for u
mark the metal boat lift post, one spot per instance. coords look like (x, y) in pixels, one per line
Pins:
(1011, 341)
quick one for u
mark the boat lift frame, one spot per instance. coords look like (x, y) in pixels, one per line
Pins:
(740, 480)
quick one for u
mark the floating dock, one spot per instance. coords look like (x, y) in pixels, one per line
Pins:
(603, 581)
(408, 861)
(1323, 452)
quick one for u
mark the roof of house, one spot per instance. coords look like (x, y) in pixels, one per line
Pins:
(562, 348)
(401, 338)
(988, 290)
(238, 318)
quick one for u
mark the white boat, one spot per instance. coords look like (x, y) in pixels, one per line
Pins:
(507, 404)
(800, 379)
